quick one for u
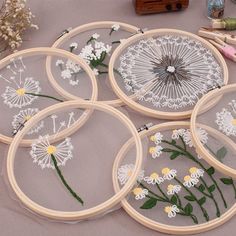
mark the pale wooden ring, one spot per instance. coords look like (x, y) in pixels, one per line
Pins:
(81, 29)
(62, 53)
(199, 147)
(84, 214)
(148, 111)
(154, 225)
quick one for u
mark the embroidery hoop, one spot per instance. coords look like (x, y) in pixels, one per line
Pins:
(200, 148)
(62, 53)
(75, 215)
(148, 111)
(81, 29)
(154, 225)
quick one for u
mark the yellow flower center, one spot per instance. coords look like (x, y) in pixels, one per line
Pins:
(51, 149)
(154, 175)
(170, 187)
(168, 209)
(20, 91)
(193, 170)
(165, 171)
(187, 178)
(137, 191)
(152, 150)
(234, 122)
(153, 138)
(130, 172)
(28, 117)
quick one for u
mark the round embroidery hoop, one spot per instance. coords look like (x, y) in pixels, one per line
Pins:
(84, 214)
(61, 53)
(83, 28)
(200, 148)
(154, 225)
(149, 34)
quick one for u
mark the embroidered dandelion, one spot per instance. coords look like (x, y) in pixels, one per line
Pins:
(226, 119)
(125, 171)
(155, 151)
(189, 181)
(154, 178)
(47, 155)
(169, 174)
(172, 189)
(19, 96)
(171, 210)
(140, 193)
(22, 117)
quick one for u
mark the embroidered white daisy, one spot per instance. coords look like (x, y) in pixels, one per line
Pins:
(125, 171)
(157, 138)
(172, 189)
(196, 172)
(25, 115)
(140, 193)
(42, 151)
(169, 174)
(189, 181)
(171, 210)
(177, 133)
(154, 178)
(201, 133)
(115, 27)
(18, 97)
(155, 151)
(226, 122)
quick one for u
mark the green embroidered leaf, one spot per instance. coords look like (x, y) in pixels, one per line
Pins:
(167, 150)
(189, 198)
(202, 200)
(150, 203)
(174, 199)
(221, 153)
(211, 171)
(201, 188)
(174, 155)
(188, 209)
(226, 181)
(212, 188)
(173, 141)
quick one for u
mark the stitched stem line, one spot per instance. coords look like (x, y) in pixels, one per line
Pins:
(64, 181)
(45, 96)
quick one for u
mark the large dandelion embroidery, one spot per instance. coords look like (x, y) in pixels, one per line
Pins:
(47, 155)
(169, 71)
(22, 117)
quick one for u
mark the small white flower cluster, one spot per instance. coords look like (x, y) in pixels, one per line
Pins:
(15, 18)
(69, 70)
(114, 28)
(157, 150)
(95, 52)
(192, 179)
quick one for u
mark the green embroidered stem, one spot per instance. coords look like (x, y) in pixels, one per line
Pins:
(205, 214)
(177, 196)
(166, 199)
(115, 42)
(64, 181)
(234, 188)
(45, 96)
(191, 157)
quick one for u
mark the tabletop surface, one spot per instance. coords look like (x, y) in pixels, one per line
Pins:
(53, 17)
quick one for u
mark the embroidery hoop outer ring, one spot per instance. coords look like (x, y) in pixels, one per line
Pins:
(62, 53)
(199, 147)
(148, 111)
(82, 29)
(154, 225)
(75, 215)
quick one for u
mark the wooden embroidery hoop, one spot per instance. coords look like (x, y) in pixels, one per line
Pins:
(61, 53)
(148, 111)
(164, 228)
(200, 148)
(81, 29)
(84, 214)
